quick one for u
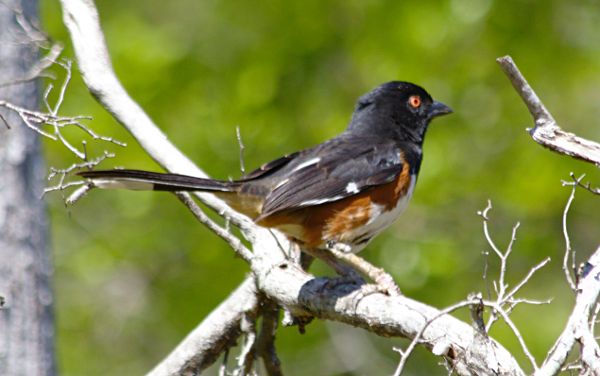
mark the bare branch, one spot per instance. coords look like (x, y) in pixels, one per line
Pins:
(248, 353)
(63, 173)
(233, 241)
(578, 181)
(498, 308)
(578, 328)
(569, 253)
(35, 120)
(504, 297)
(546, 131)
(486, 232)
(405, 354)
(78, 193)
(265, 345)
(474, 300)
(518, 286)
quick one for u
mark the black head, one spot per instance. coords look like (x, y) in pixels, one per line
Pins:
(397, 109)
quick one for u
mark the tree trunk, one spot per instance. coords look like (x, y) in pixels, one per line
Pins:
(26, 319)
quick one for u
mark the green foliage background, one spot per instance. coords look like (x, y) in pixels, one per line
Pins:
(135, 272)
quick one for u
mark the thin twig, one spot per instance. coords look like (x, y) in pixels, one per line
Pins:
(473, 300)
(235, 243)
(63, 87)
(248, 353)
(63, 173)
(498, 308)
(587, 186)
(35, 120)
(242, 148)
(504, 298)
(526, 279)
(569, 253)
(404, 354)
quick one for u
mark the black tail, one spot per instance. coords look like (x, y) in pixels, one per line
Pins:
(145, 180)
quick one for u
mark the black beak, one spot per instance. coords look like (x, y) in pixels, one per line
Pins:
(438, 109)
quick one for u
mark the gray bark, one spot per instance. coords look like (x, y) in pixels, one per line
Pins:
(26, 319)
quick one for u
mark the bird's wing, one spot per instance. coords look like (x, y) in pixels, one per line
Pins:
(270, 167)
(332, 171)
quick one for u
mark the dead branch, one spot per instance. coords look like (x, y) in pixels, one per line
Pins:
(586, 281)
(505, 299)
(546, 131)
(570, 272)
(233, 241)
(578, 181)
(50, 125)
(405, 354)
(578, 328)
(248, 354)
(63, 173)
(500, 308)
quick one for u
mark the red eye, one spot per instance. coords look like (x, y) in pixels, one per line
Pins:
(414, 101)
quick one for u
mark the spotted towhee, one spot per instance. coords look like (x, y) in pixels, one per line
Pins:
(343, 191)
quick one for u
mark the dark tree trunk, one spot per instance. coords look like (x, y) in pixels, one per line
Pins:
(26, 319)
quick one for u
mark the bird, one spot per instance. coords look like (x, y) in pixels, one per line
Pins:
(340, 193)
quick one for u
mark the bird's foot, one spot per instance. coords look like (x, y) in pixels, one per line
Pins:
(383, 281)
(386, 284)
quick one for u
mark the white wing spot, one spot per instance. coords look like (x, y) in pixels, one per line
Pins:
(310, 162)
(352, 187)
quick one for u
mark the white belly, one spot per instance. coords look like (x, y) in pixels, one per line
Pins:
(358, 238)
